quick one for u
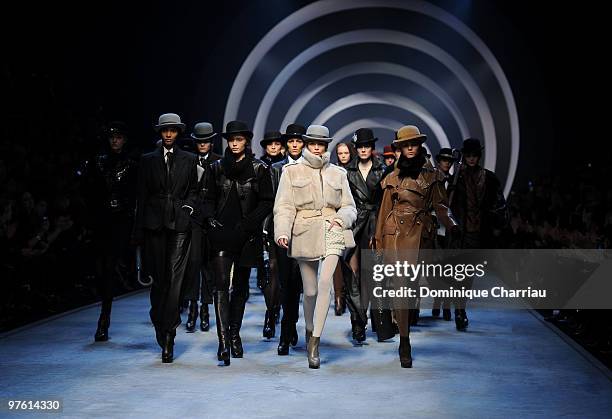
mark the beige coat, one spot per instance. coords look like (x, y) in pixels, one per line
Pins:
(309, 193)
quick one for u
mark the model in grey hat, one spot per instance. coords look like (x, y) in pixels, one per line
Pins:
(167, 195)
(317, 133)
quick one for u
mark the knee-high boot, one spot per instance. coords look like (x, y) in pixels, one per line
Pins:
(221, 302)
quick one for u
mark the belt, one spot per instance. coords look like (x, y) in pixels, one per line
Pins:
(312, 213)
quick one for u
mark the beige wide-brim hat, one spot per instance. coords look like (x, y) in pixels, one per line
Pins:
(409, 133)
(317, 133)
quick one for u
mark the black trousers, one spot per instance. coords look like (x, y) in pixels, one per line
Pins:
(166, 255)
(112, 248)
(199, 282)
(290, 281)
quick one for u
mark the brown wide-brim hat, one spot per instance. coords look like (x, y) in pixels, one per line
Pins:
(409, 133)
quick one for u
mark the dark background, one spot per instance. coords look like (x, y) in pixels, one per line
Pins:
(69, 68)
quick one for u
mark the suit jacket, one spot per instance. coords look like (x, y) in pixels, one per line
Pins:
(161, 197)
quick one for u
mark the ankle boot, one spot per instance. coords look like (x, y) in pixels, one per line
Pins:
(308, 336)
(269, 329)
(168, 348)
(461, 320)
(314, 361)
(192, 316)
(204, 318)
(405, 352)
(102, 330)
(221, 313)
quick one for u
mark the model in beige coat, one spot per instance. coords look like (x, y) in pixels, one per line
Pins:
(313, 215)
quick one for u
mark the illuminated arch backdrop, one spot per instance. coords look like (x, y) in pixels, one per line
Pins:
(380, 64)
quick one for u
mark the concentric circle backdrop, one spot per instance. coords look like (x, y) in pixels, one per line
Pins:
(380, 64)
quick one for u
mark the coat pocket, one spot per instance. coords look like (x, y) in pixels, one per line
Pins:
(335, 192)
(302, 193)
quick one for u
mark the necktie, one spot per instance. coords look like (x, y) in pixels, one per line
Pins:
(202, 160)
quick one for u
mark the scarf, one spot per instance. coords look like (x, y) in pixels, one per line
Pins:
(411, 167)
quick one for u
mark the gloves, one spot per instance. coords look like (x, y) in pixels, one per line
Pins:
(213, 223)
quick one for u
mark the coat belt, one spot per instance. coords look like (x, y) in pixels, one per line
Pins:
(312, 213)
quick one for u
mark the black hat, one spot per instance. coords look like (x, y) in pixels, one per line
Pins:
(293, 131)
(117, 127)
(472, 145)
(364, 136)
(237, 127)
(269, 137)
(203, 132)
(445, 153)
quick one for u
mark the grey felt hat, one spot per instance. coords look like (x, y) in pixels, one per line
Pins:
(170, 120)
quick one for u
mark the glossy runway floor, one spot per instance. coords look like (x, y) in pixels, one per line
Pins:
(509, 364)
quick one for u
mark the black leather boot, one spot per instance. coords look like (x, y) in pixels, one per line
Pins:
(314, 360)
(269, 329)
(405, 352)
(222, 315)
(168, 348)
(359, 330)
(102, 330)
(236, 314)
(192, 316)
(204, 318)
(285, 339)
(461, 320)
(446, 314)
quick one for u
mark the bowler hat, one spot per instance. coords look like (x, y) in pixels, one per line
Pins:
(317, 133)
(364, 136)
(203, 132)
(269, 137)
(409, 133)
(388, 151)
(117, 128)
(294, 131)
(445, 153)
(237, 128)
(471, 145)
(169, 120)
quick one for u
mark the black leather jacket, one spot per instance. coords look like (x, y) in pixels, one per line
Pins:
(255, 193)
(367, 194)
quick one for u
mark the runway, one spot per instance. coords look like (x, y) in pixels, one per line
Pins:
(509, 364)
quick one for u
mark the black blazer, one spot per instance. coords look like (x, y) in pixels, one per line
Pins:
(161, 199)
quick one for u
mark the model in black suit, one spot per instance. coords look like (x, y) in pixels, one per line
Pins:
(167, 195)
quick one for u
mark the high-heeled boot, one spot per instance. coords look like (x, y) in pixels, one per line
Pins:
(236, 314)
(221, 304)
(102, 330)
(204, 318)
(314, 361)
(405, 352)
(192, 316)
(269, 329)
(168, 348)
(461, 320)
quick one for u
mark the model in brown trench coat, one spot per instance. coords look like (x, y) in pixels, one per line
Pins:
(405, 222)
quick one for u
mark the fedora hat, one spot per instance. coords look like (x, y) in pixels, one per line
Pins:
(364, 136)
(409, 133)
(269, 137)
(445, 153)
(472, 145)
(237, 128)
(317, 133)
(203, 132)
(169, 120)
(294, 131)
